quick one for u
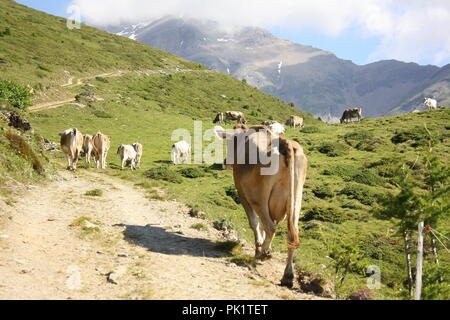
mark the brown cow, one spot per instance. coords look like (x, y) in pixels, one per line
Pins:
(295, 121)
(71, 145)
(88, 147)
(268, 199)
(101, 148)
(235, 115)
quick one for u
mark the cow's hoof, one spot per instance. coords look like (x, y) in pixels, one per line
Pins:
(287, 281)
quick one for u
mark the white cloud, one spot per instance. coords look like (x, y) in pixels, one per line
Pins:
(410, 30)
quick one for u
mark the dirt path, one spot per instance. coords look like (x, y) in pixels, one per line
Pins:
(81, 81)
(48, 252)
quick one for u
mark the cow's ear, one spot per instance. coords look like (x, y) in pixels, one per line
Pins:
(220, 132)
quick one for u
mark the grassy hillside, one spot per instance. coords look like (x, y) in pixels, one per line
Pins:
(350, 165)
(22, 160)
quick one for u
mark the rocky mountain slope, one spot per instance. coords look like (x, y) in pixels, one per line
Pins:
(315, 80)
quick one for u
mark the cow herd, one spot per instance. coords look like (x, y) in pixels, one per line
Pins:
(74, 144)
(267, 199)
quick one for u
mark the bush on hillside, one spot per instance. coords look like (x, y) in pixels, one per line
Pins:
(360, 192)
(333, 149)
(323, 191)
(102, 114)
(232, 192)
(368, 177)
(19, 144)
(192, 173)
(340, 171)
(418, 137)
(326, 213)
(15, 94)
(164, 173)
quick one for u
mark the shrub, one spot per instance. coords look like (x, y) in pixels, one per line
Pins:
(367, 177)
(18, 144)
(324, 213)
(333, 149)
(223, 224)
(360, 192)
(16, 95)
(353, 138)
(323, 191)
(101, 79)
(94, 193)
(418, 137)
(164, 173)
(192, 173)
(102, 114)
(340, 171)
(232, 192)
(5, 32)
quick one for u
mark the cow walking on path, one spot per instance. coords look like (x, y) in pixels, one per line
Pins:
(268, 199)
(72, 144)
(101, 148)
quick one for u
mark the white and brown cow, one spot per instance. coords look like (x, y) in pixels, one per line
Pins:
(295, 121)
(351, 114)
(268, 199)
(101, 148)
(127, 153)
(181, 152)
(235, 115)
(72, 145)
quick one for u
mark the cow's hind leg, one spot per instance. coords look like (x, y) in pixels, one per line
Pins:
(269, 231)
(256, 227)
(288, 277)
(69, 163)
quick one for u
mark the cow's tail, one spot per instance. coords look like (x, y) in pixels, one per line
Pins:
(73, 143)
(295, 165)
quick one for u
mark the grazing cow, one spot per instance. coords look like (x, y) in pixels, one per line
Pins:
(88, 147)
(277, 128)
(101, 148)
(71, 145)
(350, 114)
(127, 154)
(268, 199)
(220, 118)
(295, 121)
(138, 148)
(180, 152)
(430, 103)
(235, 115)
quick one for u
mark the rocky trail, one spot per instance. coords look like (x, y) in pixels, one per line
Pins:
(59, 243)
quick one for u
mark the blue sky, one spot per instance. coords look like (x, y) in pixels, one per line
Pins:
(361, 31)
